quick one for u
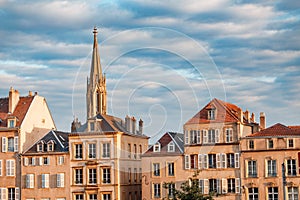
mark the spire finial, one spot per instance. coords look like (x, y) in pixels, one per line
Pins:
(95, 36)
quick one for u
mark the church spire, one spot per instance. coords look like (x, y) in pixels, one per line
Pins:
(96, 85)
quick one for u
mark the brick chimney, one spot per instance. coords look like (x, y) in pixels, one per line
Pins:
(247, 115)
(13, 99)
(241, 115)
(133, 125)
(141, 127)
(262, 120)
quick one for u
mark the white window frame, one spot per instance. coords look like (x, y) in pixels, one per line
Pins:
(205, 136)
(156, 147)
(3, 193)
(186, 137)
(10, 167)
(106, 175)
(156, 169)
(92, 176)
(293, 193)
(60, 180)
(187, 161)
(253, 194)
(92, 150)
(171, 168)
(45, 180)
(106, 150)
(29, 180)
(288, 143)
(16, 143)
(171, 147)
(4, 144)
(229, 135)
(156, 190)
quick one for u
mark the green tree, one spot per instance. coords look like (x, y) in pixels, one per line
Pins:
(189, 190)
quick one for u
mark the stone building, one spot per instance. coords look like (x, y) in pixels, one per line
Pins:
(19, 125)
(270, 163)
(105, 151)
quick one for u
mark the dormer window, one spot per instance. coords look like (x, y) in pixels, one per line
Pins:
(211, 114)
(50, 145)
(40, 146)
(156, 147)
(171, 147)
(11, 123)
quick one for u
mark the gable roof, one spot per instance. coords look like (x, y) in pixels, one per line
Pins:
(225, 112)
(19, 112)
(177, 138)
(60, 139)
(277, 130)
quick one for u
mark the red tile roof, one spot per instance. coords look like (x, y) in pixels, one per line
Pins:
(19, 112)
(278, 130)
(225, 112)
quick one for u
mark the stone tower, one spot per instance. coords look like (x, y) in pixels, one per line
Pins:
(96, 85)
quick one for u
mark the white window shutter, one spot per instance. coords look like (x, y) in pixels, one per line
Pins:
(206, 186)
(186, 141)
(17, 193)
(27, 180)
(60, 180)
(200, 163)
(237, 185)
(205, 161)
(33, 161)
(41, 161)
(0, 169)
(217, 132)
(218, 159)
(201, 185)
(237, 160)
(224, 185)
(3, 194)
(187, 161)
(16, 144)
(48, 160)
(4, 144)
(25, 160)
(219, 191)
(198, 137)
(205, 137)
(223, 155)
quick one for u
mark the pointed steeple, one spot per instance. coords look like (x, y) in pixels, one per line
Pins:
(96, 84)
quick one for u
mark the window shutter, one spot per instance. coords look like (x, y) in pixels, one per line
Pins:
(25, 160)
(200, 163)
(237, 160)
(48, 160)
(60, 180)
(218, 158)
(16, 144)
(0, 169)
(217, 132)
(187, 161)
(3, 194)
(205, 161)
(41, 161)
(224, 185)
(198, 137)
(246, 169)
(186, 137)
(33, 161)
(223, 156)
(27, 180)
(206, 188)
(4, 144)
(237, 185)
(17, 193)
(201, 185)
(205, 137)
(219, 186)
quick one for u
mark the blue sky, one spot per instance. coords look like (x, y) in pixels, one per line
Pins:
(164, 60)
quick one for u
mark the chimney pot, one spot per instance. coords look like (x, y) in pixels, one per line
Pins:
(262, 120)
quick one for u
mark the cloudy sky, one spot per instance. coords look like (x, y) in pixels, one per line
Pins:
(164, 60)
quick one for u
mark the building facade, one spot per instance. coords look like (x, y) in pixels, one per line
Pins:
(18, 120)
(270, 163)
(105, 151)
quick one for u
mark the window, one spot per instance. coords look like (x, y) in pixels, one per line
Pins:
(106, 197)
(293, 193)
(271, 168)
(171, 189)
(129, 175)
(193, 137)
(45, 180)
(171, 169)
(202, 161)
(60, 180)
(273, 193)
(156, 147)
(141, 151)
(50, 146)
(211, 136)
(194, 160)
(46, 160)
(93, 197)
(106, 150)
(135, 175)
(10, 167)
(253, 193)
(186, 162)
(156, 169)
(11, 145)
(171, 147)
(252, 168)
(4, 144)
(92, 126)
(0, 167)
(78, 176)
(211, 160)
(93, 176)
(29, 180)
(78, 196)
(186, 137)
(92, 150)
(212, 185)
(290, 143)
(211, 114)
(11, 123)
(140, 175)
(129, 150)
(40, 146)
(31, 161)
(291, 167)
(78, 151)
(229, 135)
(231, 185)
(230, 160)
(156, 190)
(13, 194)
(106, 175)
(61, 160)
(270, 144)
(251, 144)
(135, 151)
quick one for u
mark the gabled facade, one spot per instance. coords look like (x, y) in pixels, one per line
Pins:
(18, 118)
(163, 163)
(270, 163)
(212, 145)
(46, 168)
(105, 151)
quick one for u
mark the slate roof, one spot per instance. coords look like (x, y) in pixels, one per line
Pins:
(60, 139)
(278, 130)
(177, 138)
(225, 112)
(19, 112)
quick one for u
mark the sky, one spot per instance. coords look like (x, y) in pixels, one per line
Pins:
(163, 60)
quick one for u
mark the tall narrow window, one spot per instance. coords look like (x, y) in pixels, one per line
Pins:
(290, 143)
(273, 193)
(140, 150)
(171, 147)
(211, 114)
(135, 175)
(10, 167)
(291, 167)
(270, 144)
(193, 137)
(171, 169)
(106, 150)
(135, 151)
(231, 185)
(106, 175)
(252, 168)
(11, 145)
(78, 176)
(106, 197)
(156, 147)
(212, 161)
(92, 150)
(229, 135)
(211, 136)
(45, 180)
(272, 168)
(60, 180)
(253, 193)
(212, 185)
(78, 151)
(129, 150)
(79, 197)
(171, 188)
(230, 160)
(156, 169)
(93, 197)
(93, 176)
(251, 144)
(293, 193)
(13, 194)
(156, 190)
(29, 180)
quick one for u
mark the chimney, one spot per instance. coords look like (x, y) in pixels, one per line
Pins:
(75, 125)
(141, 127)
(14, 98)
(128, 123)
(133, 125)
(253, 118)
(30, 94)
(247, 115)
(240, 115)
(262, 120)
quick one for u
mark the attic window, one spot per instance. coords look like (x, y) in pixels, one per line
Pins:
(211, 114)
(11, 123)
(50, 145)
(40, 146)
(171, 147)
(156, 147)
